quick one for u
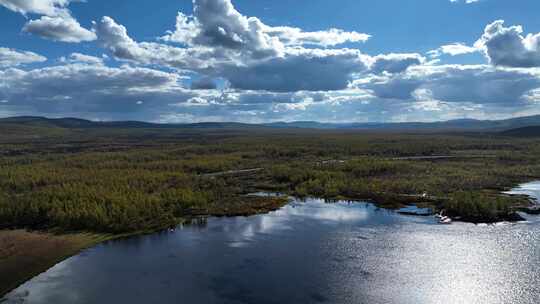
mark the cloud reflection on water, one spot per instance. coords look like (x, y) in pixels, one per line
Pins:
(280, 220)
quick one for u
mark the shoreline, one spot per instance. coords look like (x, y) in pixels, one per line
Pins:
(35, 252)
(80, 241)
(88, 239)
(30, 253)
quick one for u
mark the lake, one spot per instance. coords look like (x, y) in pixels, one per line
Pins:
(307, 252)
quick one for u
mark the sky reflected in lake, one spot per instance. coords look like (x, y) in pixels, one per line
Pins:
(307, 252)
(531, 189)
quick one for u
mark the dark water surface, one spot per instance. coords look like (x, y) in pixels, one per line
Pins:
(305, 253)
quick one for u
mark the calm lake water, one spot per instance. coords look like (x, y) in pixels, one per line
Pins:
(307, 252)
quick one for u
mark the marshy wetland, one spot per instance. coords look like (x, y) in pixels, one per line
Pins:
(98, 184)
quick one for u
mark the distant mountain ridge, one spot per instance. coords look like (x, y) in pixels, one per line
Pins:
(78, 123)
(531, 131)
(457, 125)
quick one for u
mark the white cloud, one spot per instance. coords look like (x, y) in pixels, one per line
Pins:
(10, 57)
(261, 66)
(533, 96)
(299, 69)
(219, 24)
(245, 65)
(465, 1)
(453, 49)
(114, 37)
(40, 7)
(506, 46)
(264, 73)
(64, 29)
(85, 78)
(56, 22)
(82, 58)
(395, 63)
(292, 36)
(480, 84)
(430, 93)
(88, 90)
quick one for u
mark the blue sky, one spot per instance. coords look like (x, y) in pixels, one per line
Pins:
(262, 60)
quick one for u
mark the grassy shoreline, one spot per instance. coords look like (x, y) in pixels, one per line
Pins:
(27, 254)
(26, 263)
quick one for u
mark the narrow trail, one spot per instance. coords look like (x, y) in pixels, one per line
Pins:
(340, 161)
(436, 157)
(232, 172)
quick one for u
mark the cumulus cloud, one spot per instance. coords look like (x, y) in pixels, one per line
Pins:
(64, 29)
(101, 92)
(220, 42)
(114, 37)
(89, 90)
(235, 48)
(218, 23)
(87, 78)
(11, 58)
(480, 84)
(418, 93)
(301, 69)
(56, 24)
(265, 73)
(40, 7)
(453, 49)
(506, 46)
(395, 63)
(82, 58)
(293, 36)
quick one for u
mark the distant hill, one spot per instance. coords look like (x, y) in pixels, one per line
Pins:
(77, 123)
(34, 121)
(451, 125)
(457, 125)
(532, 131)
